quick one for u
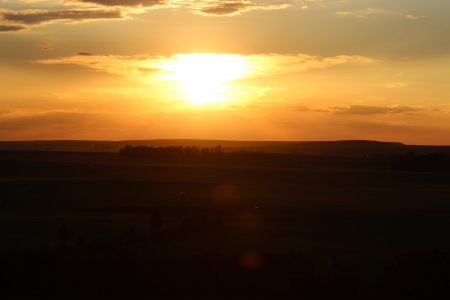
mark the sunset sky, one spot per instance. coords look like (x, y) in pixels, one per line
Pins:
(236, 70)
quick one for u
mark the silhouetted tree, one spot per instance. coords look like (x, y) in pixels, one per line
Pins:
(218, 149)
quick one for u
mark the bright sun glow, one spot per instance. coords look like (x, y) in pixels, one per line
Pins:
(203, 77)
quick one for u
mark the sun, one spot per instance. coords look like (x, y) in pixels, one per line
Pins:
(203, 77)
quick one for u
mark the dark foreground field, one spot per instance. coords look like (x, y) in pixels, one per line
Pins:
(286, 226)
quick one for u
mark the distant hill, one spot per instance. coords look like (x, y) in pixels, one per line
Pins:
(331, 148)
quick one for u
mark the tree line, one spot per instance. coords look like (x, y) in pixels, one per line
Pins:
(169, 151)
(410, 161)
(179, 151)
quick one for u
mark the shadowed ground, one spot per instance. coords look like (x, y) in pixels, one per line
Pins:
(361, 213)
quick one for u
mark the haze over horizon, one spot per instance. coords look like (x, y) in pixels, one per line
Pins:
(272, 70)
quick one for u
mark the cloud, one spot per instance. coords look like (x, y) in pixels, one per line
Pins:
(145, 3)
(371, 110)
(372, 13)
(401, 109)
(85, 54)
(22, 122)
(259, 65)
(396, 85)
(46, 46)
(300, 107)
(37, 17)
(62, 125)
(233, 8)
(11, 28)
(130, 66)
(276, 64)
(368, 13)
(344, 13)
(414, 17)
(120, 9)
(148, 70)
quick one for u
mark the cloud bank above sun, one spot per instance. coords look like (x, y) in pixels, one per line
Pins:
(254, 65)
(203, 77)
(89, 10)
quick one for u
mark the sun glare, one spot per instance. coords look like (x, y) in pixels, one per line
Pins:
(202, 77)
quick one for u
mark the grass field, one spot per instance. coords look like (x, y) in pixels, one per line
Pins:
(347, 209)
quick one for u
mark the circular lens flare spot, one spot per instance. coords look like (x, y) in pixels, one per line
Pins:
(226, 195)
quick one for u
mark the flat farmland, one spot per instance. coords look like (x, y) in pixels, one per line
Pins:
(364, 215)
(35, 187)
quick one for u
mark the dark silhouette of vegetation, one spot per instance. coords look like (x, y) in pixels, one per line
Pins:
(431, 162)
(178, 152)
(195, 155)
(217, 156)
(171, 151)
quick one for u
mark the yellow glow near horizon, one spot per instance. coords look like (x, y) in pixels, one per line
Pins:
(203, 77)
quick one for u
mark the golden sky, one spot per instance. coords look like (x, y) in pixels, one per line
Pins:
(238, 70)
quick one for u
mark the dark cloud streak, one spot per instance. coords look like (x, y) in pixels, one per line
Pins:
(232, 8)
(85, 54)
(11, 28)
(42, 16)
(226, 8)
(371, 110)
(133, 3)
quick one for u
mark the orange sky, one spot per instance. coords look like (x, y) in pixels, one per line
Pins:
(238, 70)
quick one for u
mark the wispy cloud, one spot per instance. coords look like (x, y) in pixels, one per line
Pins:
(133, 3)
(130, 66)
(366, 13)
(45, 46)
(37, 17)
(396, 85)
(414, 17)
(11, 28)
(85, 53)
(371, 110)
(373, 13)
(252, 65)
(60, 125)
(274, 64)
(82, 10)
(233, 8)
